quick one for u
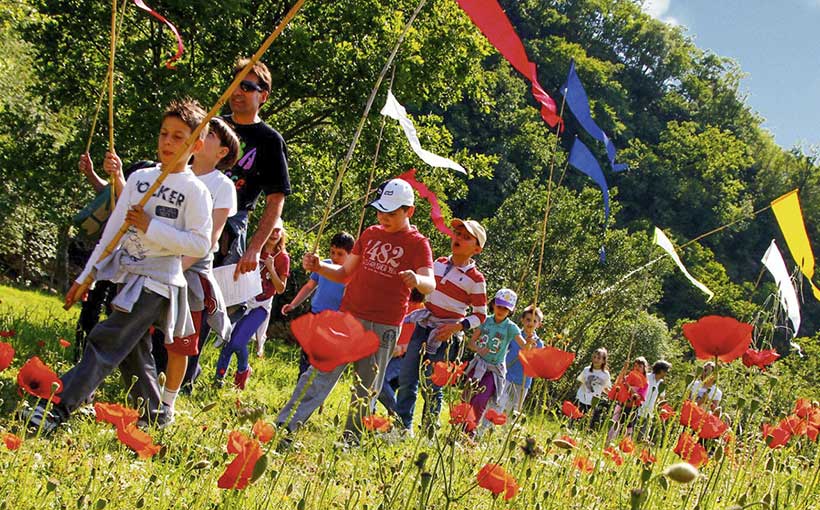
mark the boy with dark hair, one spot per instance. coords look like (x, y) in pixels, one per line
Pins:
(147, 264)
(328, 294)
(518, 385)
(388, 261)
(460, 288)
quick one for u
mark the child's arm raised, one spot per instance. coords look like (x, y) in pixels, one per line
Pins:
(300, 297)
(335, 273)
(523, 343)
(278, 283)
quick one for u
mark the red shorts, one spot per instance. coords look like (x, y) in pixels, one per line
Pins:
(187, 345)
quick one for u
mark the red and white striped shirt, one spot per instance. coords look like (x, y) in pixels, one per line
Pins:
(458, 289)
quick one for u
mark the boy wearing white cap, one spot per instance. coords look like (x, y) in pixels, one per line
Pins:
(387, 262)
(460, 288)
(488, 370)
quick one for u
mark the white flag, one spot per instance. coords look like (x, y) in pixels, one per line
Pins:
(661, 240)
(773, 260)
(396, 111)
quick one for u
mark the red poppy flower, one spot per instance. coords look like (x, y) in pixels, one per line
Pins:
(376, 423)
(775, 437)
(613, 455)
(646, 457)
(41, 343)
(802, 407)
(666, 411)
(691, 451)
(64, 343)
(571, 410)
(719, 337)
(691, 415)
(238, 473)
(569, 440)
(333, 338)
(7, 333)
(37, 379)
(115, 414)
(795, 425)
(463, 414)
(137, 440)
(626, 445)
(446, 373)
(6, 355)
(620, 392)
(495, 417)
(636, 379)
(12, 442)
(493, 478)
(583, 464)
(761, 359)
(546, 362)
(263, 431)
(712, 427)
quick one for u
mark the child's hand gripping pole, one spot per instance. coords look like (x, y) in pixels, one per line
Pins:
(82, 287)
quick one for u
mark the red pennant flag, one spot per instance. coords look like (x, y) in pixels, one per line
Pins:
(180, 47)
(425, 193)
(490, 18)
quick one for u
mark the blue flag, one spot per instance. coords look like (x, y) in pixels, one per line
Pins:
(582, 159)
(578, 102)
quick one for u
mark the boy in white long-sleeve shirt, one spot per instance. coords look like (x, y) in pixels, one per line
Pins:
(147, 266)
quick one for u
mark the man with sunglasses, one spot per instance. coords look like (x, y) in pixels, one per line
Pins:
(262, 168)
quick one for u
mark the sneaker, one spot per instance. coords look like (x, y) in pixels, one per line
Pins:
(37, 420)
(240, 379)
(219, 382)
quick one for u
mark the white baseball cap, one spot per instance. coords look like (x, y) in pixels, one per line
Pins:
(394, 194)
(506, 298)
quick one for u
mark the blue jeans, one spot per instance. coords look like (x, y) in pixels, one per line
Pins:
(409, 378)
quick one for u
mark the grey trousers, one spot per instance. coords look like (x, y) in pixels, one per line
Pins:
(370, 378)
(121, 341)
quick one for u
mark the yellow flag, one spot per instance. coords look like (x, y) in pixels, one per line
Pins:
(790, 218)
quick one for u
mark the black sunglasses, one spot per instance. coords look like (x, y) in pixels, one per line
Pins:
(248, 86)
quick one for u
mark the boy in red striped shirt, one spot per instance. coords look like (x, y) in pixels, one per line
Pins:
(460, 287)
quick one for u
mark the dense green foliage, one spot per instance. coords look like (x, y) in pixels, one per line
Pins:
(698, 156)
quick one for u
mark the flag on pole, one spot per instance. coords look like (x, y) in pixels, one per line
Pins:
(582, 158)
(661, 240)
(790, 218)
(773, 260)
(578, 103)
(493, 22)
(394, 110)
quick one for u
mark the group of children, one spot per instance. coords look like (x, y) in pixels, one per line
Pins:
(163, 271)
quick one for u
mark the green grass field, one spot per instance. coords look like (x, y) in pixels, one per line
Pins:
(83, 465)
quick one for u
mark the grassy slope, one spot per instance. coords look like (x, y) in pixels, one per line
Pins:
(86, 467)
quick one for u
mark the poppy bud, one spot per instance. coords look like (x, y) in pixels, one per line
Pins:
(682, 472)
(161, 378)
(561, 443)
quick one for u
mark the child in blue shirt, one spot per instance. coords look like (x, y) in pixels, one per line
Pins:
(328, 294)
(491, 341)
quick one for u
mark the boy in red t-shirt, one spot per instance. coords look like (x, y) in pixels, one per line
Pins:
(388, 261)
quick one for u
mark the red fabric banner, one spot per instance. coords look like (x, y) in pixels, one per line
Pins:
(490, 18)
(180, 47)
(425, 193)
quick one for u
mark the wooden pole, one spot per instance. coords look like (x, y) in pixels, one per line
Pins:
(195, 135)
(111, 54)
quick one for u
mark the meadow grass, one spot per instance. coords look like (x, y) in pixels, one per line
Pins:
(83, 465)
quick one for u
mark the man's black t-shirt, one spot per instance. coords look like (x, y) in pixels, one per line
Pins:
(262, 166)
